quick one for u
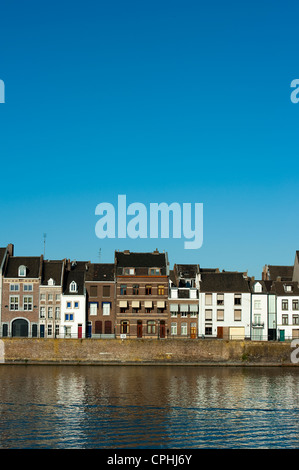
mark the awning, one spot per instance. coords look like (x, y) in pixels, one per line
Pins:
(184, 307)
(193, 307)
(123, 303)
(161, 304)
(148, 304)
(174, 307)
(135, 304)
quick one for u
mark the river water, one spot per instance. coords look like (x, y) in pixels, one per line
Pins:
(148, 407)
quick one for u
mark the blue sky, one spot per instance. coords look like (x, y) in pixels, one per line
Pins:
(164, 101)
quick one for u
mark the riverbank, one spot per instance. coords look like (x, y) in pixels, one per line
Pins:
(146, 352)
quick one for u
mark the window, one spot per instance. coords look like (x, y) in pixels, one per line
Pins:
(220, 315)
(257, 304)
(57, 313)
(57, 297)
(93, 308)
(285, 304)
(51, 282)
(123, 289)
(154, 271)
(50, 330)
(208, 298)
(160, 290)
(27, 287)
(27, 303)
(295, 319)
(174, 329)
(76, 304)
(237, 315)
(56, 331)
(151, 327)
(43, 297)
(69, 305)
(106, 308)
(208, 330)
(106, 291)
(174, 293)
(69, 317)
(285, 319)
(257, 287)
(50, 312)
(295, 304)
(184, 329)
(208, 314)
(220, 299)
(93, 291)
(73, 287)
(14, 303)
(14, 287)
(257, 320)
(22, 271)
(50, 297)
(135, 289)
(148, 290)
(128, 271)
(237, 299)
(124, 327)
(288, 288)
(42, 312)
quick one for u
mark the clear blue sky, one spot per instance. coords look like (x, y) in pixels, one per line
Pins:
(184, 101)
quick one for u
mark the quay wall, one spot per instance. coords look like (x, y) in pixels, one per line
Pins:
(146, 351)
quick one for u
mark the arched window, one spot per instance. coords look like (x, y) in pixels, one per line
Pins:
(51, 282)
(73, 286)
(22, 271)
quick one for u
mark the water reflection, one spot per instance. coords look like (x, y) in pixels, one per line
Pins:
(150, 407)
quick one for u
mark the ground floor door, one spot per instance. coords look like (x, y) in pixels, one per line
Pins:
(219, 331)
(139, 328)
(20, 328)
(79, 331)
(162, 329)
(193, 330)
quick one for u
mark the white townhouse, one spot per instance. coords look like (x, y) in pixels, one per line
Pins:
(224, 305)
(263, 311)
(287, 304)
(73, 301)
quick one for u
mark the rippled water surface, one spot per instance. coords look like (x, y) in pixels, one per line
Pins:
(152, 407)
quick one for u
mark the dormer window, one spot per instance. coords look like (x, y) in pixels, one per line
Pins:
(258, 287)
(154, 271)
(51, 282)
(288, 288)
(129, 271)
(22, 271)
(73, 287)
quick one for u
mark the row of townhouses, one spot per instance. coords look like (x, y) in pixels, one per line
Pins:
(139, 296)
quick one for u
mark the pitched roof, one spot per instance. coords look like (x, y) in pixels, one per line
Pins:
(266, 286)
(278, 287)
(76, 276)
(32, 264)
(100, 272)
(2, 254)
(186, 270)
(223, 282)
(52, 269)
(284, 272)
(126, 259)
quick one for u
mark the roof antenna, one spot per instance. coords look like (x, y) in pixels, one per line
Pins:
(100, 252)
(45, 236)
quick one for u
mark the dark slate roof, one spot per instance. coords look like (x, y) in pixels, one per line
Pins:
(223, 282)
(278, 287)
(52, 269)
(131, 260)
(188, 271)
(78, 277)
(266, 286)
(2, 254)
(32, 264)
(285, 272)
(100, 272)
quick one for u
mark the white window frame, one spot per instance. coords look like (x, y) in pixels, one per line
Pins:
(106, 308)
(93, 308)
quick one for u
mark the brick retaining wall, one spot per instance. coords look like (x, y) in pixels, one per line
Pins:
(114, 351)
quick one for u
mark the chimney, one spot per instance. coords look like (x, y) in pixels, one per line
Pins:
(10, 249)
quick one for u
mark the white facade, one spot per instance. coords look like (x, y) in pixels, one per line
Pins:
(224, 315)
(287, 317)
(73, 316)
(259, 313)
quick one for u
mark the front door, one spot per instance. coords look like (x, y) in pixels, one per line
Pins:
(79, 331)
(219, 331)
(162, 329)
(139, 329)
(193, 330)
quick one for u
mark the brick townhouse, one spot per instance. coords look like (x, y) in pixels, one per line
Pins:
(100, 299)
(141, 294)
(20, 296)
